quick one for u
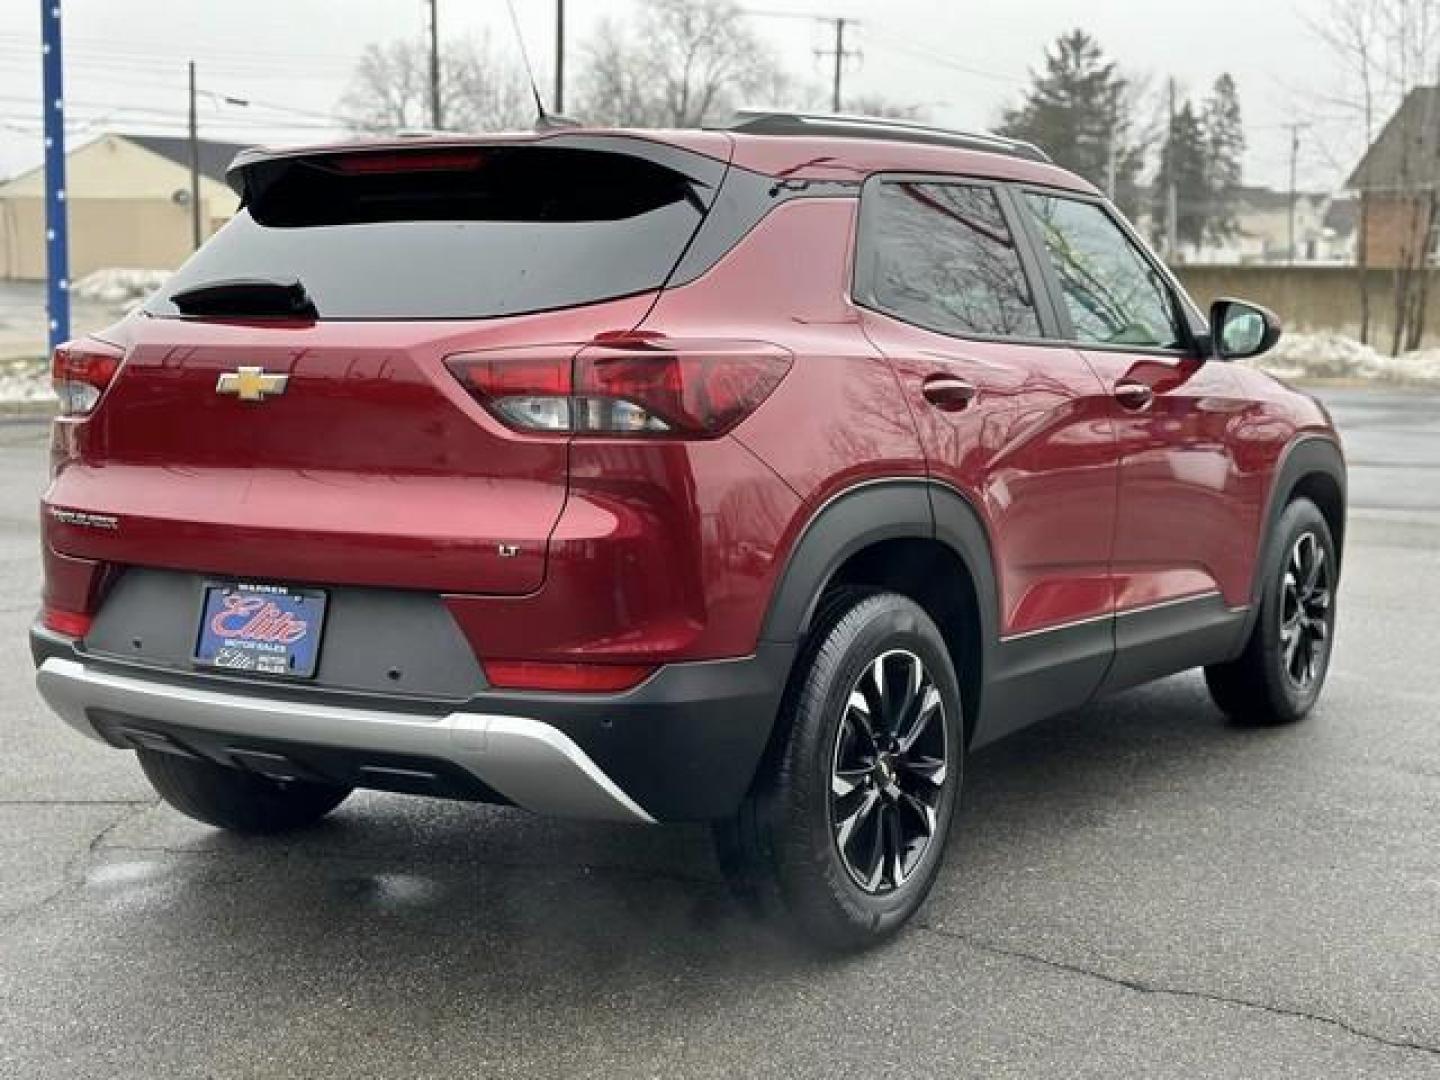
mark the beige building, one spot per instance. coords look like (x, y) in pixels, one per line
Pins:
(129, 200)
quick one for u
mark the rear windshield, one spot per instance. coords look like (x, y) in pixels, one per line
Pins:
(455, 232)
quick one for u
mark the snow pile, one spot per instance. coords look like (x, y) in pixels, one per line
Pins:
(118, 285)
(25, 381)
(1335, 356)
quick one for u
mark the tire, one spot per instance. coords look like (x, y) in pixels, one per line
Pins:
(239, 801)
(782, 852)
(1278, 678)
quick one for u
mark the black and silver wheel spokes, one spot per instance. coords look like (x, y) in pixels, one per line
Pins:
(1305, 611)
(888, 772)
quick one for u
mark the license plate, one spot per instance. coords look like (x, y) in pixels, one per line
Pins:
(266, 629)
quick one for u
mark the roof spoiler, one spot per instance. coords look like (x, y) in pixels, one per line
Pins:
(252, 165)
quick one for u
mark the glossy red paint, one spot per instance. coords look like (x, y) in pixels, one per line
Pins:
(1033, 451)
(373, 468)
(376, 467)
(1185, 525)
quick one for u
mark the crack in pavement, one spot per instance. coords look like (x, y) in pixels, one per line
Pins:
(1167, 991)
(72, 876)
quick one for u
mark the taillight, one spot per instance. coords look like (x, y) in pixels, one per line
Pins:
(564, 677)
(680, 389)
(81, 371)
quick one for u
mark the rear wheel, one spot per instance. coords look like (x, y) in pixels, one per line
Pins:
(1278, 678)
(845, 828)
(235, 800)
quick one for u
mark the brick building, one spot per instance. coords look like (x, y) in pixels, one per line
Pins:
(1398, 181)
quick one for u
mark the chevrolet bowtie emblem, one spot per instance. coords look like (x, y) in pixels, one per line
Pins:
(251, 383)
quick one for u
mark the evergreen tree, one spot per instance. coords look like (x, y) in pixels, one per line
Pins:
(1225, 149)
(1202, 155)
(1079, 110)
(1184, 163)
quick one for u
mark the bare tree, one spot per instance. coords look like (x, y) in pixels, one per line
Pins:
(1349, 29)
(878, 105)
(1388, 49)
(480, 89)
(680, 64)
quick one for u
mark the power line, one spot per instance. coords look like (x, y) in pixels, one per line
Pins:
(894, 43)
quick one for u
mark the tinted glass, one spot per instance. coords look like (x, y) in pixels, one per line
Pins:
(941, 256)
(1113, 294)
(503, 231)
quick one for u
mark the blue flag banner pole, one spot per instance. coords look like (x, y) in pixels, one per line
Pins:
(57, 240)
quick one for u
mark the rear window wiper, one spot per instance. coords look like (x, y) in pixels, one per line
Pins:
(264, 297)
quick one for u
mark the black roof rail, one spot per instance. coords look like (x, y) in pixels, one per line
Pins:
(773, 122)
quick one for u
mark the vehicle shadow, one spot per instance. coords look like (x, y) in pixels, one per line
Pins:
(422, 929)
(426, 883)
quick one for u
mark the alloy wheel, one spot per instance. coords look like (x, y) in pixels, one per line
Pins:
(1305, 611)
(889, 769)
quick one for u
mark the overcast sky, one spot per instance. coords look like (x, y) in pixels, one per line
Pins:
(964, 60)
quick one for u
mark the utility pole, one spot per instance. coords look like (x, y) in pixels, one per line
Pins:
(437, 121)
(1294, 195)
(1112, 152)
(559, 103)
(195, 237)
(57, 243)
(1172, 192)
(840, 53)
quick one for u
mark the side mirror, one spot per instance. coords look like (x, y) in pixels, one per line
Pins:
(1239, 330)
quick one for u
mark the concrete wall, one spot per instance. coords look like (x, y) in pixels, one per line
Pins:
(1311, 298)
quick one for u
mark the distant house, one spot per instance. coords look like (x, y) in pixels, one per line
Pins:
(1324, 230)
(129, 205)
(1398, 178)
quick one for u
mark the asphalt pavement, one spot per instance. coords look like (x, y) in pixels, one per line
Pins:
(1135, 890)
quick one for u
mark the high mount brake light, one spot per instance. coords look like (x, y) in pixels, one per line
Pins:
(81, 370)
(680, 389)
(404, 161)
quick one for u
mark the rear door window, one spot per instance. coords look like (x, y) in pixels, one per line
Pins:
(456, 232)
(940, 255)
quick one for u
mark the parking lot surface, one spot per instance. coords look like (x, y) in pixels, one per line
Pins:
(1135, 890)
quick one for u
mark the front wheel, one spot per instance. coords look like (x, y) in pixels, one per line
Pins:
(1278, 678)
(844, 829)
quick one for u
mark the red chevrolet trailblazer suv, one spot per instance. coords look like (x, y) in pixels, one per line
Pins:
(751, 476)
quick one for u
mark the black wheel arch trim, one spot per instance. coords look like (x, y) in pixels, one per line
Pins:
(1308, 454)
(869, 513)
(875, 511)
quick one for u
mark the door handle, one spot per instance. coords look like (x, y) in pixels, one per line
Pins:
(1137, 397)
(948, 393)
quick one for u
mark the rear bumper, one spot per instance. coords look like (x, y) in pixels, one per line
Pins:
(683, 746)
